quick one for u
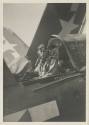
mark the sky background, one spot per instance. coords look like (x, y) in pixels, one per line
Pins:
(23, 19)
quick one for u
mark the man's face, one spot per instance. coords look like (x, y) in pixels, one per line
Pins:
(41, 51)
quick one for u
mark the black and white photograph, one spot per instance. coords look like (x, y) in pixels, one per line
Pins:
(44, 62)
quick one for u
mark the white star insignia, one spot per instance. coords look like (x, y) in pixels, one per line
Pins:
(67, 27)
